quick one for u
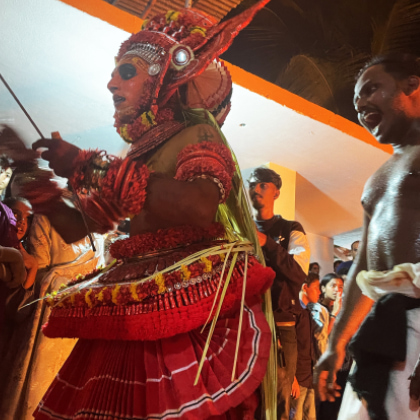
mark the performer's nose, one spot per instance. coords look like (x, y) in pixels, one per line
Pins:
(112, 85)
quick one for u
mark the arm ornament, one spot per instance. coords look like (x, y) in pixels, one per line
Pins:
(207, 160)
(111, 188)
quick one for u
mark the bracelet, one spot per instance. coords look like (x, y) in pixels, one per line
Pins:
(222, 191)
(91, 167)
(333, 316)
(111, 188)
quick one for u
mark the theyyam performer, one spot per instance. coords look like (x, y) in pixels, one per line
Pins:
(174, 328)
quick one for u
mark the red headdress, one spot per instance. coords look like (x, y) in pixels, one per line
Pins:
(182, 50)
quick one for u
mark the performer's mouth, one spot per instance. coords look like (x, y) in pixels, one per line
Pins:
(118, 100)
(372, 119)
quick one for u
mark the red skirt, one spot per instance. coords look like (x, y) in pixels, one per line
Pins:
(108, 379)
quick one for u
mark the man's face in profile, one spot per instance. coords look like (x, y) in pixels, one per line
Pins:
(262, 194)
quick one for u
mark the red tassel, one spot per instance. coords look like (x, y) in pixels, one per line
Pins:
(185, 297)
(179, 299)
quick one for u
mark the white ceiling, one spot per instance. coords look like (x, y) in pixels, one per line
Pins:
(59, 59)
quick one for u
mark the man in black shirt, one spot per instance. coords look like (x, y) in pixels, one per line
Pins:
(286, 251)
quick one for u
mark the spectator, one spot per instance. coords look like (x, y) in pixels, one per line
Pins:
(332, 290)
(5, 175)
(286, 251)
(320, 320)
(345, 266)
(31, 357)
(18, 267)
(336, 264)
(303, 406)
(22, 210)
(314, 267)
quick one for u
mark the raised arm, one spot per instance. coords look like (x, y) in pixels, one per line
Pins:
(292, 263)
(355, 308)
(187, 193)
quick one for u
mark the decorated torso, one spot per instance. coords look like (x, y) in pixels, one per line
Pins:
(175, 279)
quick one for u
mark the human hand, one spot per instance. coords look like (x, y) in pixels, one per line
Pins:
(28, 260)
(295, 389)
(13, 146)
(325, 374)
(14, 267)
(60, 154)
(262, 239)
(338, 303)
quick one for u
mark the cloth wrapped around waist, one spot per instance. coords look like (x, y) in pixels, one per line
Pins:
(160, 294)
(381, 340)
(403, 279)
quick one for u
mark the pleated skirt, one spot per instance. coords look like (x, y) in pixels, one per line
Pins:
(115, 379)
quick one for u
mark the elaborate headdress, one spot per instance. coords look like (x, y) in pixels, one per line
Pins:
(182, 50)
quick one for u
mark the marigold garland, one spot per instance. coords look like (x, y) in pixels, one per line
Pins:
(137, 291)
(207, 263)
(134, 131)
(115, 291)
(160, 281)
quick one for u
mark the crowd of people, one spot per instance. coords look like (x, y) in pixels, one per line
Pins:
(170, 301)
(305, 306)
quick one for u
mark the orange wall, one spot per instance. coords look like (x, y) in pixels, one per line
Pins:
(123, 20)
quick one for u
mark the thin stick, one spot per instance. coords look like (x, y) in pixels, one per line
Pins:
(21, 106)
(42, 137)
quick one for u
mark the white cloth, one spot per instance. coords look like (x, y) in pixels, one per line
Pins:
(398, 404)
(404, 279)
(299, 248)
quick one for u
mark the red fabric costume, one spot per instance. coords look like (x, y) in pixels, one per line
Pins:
(139, 321)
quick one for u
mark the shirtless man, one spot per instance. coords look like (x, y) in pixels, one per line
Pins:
(387, 99)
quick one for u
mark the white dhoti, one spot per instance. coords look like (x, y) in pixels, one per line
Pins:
(404, 279)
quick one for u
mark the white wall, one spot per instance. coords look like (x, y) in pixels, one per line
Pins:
(322, 252)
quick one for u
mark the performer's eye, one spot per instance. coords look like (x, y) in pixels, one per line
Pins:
(127, 71)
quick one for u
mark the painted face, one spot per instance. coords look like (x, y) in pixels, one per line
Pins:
(262, 194)
(22, 212)
(127, 87)
(382, 106)
(5, 178)
(313, 292)
(333, 289)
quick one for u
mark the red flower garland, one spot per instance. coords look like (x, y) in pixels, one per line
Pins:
(164, 239)
(136, 129)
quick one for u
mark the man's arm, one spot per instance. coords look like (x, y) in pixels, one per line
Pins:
(169, 202)
(355, 308)
(293, 265)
